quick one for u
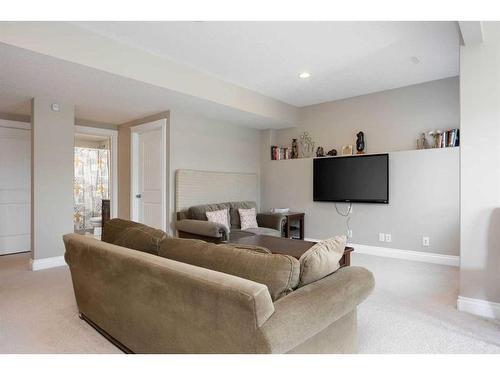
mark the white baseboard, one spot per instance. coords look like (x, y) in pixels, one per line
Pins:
(419, 256)
(44, 263)
(479, 307)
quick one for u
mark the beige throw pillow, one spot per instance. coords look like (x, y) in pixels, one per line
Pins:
(219, 217)
(248, 218)
(321, 260)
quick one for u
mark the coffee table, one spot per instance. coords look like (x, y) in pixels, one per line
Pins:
(295, 248)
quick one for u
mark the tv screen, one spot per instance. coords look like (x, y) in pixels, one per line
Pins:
(361, 178)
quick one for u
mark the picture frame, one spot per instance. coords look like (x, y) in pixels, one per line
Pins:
(347, 150)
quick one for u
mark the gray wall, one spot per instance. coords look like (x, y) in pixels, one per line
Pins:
(423, 188)
(204, 144)
(195, 142)
(424, 185)
(52, 177)
(480, 167)
(391, 120)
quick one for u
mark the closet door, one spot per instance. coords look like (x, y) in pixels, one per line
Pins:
(15, 189)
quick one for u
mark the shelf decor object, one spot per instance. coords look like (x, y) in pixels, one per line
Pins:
(422, 142)
(347, 150)
(360, 143)
(306, 146)
(295, 149)
(320, 152)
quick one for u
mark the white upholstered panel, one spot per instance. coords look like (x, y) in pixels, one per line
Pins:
(200, 187)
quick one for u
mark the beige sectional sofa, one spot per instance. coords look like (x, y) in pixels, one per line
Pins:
(171, 295)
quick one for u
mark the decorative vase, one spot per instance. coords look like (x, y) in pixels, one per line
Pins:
(306, 146)
(360, 143)
(422, 143)
(295, 149)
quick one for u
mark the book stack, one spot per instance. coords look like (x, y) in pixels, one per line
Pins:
(280, 153)
(452, 138)
(448, 138)
(442, 139)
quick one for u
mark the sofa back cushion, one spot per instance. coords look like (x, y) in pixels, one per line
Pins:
(321, 260)
(200, 212)
(280, 273)
(133, 235)
(152, 304)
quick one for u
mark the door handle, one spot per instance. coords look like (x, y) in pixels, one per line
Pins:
(138, 195)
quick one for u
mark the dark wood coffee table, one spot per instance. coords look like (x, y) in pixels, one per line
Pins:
(295, 248)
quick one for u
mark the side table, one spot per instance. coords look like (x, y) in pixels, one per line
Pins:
(294, 225)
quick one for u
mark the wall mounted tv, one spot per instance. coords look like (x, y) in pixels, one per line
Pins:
(361, 178)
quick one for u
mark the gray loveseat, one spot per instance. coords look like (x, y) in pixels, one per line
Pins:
(193, 223)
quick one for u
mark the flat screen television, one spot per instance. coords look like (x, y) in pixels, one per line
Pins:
(360, 178)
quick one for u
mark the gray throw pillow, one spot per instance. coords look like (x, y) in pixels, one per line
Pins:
(321, 260)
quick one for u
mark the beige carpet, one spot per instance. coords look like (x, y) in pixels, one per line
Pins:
(412, 310)
(38, 312)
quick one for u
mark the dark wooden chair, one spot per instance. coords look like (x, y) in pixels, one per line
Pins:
(106, 213)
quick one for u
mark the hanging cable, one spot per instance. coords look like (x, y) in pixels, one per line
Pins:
(347, 216)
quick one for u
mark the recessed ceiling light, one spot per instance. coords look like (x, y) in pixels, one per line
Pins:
(415, 59)
(304, 75)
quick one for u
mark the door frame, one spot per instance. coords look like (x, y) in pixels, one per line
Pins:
(113, 134)
(134, 166)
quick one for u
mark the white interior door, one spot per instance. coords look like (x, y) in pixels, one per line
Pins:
(15, 190)
(150, 195)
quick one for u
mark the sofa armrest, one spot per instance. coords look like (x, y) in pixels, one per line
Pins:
(271, 220)
(308, 310)
(202, 228)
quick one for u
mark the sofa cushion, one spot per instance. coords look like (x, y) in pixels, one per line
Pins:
(200, 212)
(114, 227)
(219, 217)
(321, 260)
(248, 218)
(235, 215)
(279, 272)
(133, 235)
(264, 231)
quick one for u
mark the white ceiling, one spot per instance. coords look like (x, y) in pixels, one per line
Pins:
(345, 59)
(99, 96)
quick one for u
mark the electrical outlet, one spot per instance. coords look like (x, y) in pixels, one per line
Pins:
(388, 237)
(349, 233)
(381, 237)
(425, 241)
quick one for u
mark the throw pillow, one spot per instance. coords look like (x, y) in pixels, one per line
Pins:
(248, 218)
(219, 217)
(321, 260)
